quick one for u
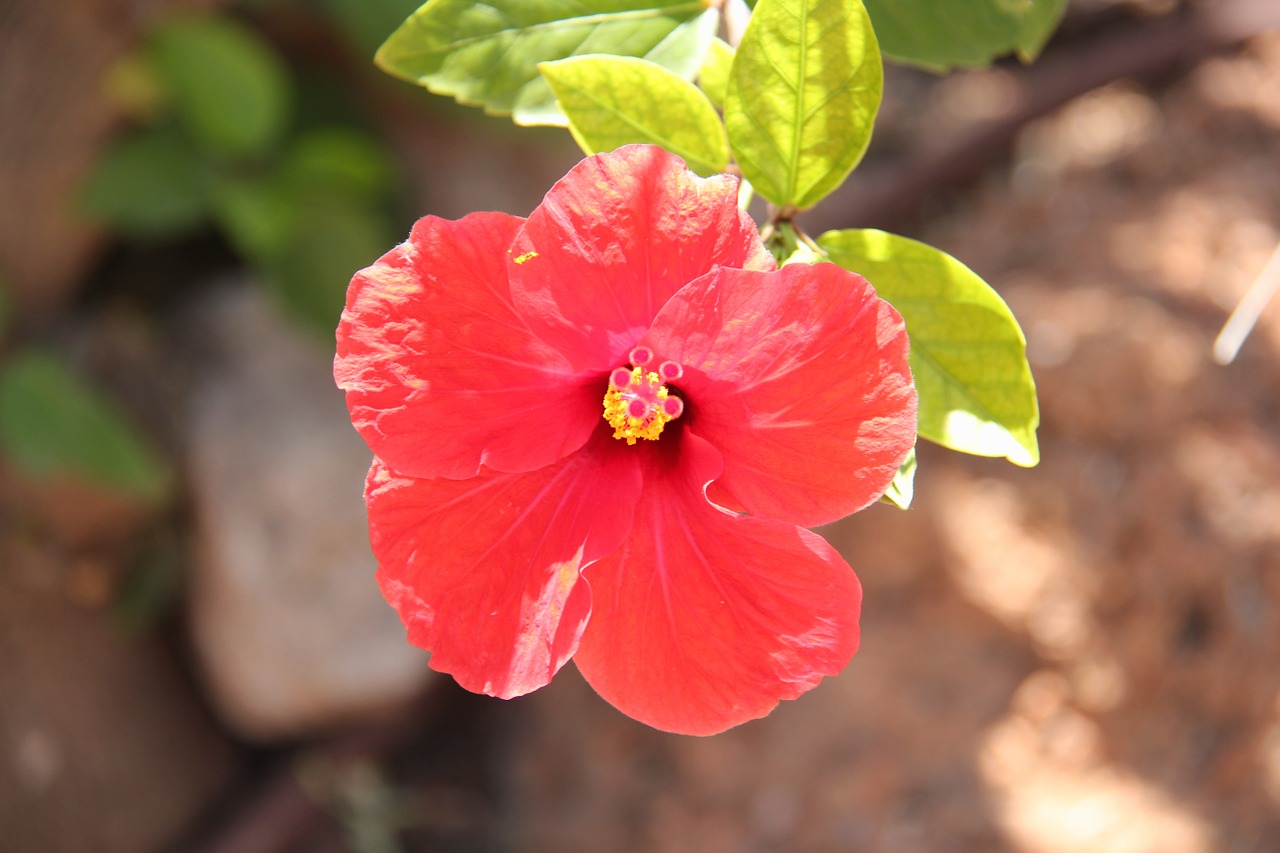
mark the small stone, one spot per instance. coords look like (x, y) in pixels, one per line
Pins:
(289, 626)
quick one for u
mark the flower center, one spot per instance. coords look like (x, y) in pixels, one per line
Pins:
(638, 404)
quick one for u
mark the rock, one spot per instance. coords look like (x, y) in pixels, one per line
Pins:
(290, 629)
(103, 745)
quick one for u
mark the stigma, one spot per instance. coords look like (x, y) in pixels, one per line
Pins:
(638, 403)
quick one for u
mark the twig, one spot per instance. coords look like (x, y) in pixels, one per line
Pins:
(736, 16)
(1243, 319)
(280, 811)
(888, 195)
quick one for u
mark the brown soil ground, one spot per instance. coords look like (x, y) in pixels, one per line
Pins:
(1084, 656)
(1080, 657)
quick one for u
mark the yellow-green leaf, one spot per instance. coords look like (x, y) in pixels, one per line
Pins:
(486, 53)
(803, 94)
(713, 76)
(968, 355)
(615, 100)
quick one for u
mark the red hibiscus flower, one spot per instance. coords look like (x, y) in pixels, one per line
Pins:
(600, 433)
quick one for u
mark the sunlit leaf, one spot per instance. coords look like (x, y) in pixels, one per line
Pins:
(713, 76)
(151, 184)
(52, 424)
(228, 87)
(903, 488)
(803, 95)
(683, 51)
(615, 100)
(968, 355)
(486, 54)
(942, 34)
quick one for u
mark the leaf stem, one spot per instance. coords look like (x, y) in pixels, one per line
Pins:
(788, 243)
(737, 14)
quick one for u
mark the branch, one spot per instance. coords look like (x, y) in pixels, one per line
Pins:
(887, 196)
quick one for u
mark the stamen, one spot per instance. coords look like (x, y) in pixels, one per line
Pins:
(621, 378)
(638, 405)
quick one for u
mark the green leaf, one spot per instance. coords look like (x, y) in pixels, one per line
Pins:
(331, 239)
(803, 95)
(341, 159)
(943, 34)
(968, 355)
(487, 54)
(229, 88)
(53, 424)
(1038, 25)
(614, 100)
(328, 167)
(903, 487)
(149, 185)
(257, 216)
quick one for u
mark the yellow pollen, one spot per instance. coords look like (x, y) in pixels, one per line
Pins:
(527, 256)
(616, 402)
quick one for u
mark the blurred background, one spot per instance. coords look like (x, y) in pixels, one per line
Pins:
(193, 653)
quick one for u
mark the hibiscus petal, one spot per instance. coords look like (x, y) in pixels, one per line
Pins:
(799, 378)
(704, 619)
(441, 375)
(484, 572)
(614, 239)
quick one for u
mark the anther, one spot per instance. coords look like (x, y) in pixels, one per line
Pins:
(638, 405)
(620, 378)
